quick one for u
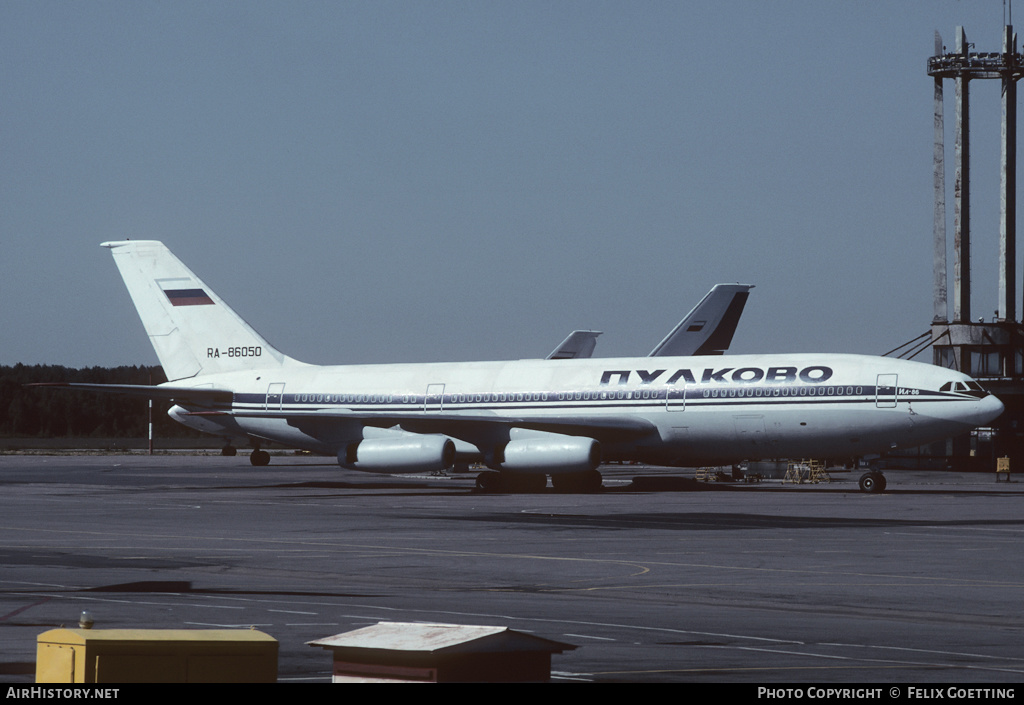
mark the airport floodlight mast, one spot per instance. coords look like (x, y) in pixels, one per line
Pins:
(992, 352)
(988, 350)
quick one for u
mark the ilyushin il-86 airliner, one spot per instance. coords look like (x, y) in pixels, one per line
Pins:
(529, 419)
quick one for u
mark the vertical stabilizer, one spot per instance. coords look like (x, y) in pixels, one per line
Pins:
(191, 328)
(708, 328)
(579, 344)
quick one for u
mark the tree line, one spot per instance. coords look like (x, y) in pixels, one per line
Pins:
(44, 412)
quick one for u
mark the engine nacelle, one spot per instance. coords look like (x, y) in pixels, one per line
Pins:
(551, 454)
(410, 453)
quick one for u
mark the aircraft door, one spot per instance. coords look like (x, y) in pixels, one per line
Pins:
(885, 391)
(675, 398)
(434, 399)
(275, 396)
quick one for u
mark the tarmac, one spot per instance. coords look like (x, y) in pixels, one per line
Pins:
(659, 580)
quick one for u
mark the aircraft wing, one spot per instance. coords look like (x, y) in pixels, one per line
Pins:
(186, 395)
(474, 429)
(580, 343)
(709, 327)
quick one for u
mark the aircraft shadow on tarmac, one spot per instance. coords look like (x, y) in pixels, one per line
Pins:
(714, 521)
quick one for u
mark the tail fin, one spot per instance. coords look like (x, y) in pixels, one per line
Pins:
(191, 328)
(580, 343)
(708, 328)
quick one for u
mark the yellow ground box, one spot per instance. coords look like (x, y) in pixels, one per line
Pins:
(156, 656)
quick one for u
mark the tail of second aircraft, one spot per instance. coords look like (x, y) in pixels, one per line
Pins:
(191, 328)
(708, 328)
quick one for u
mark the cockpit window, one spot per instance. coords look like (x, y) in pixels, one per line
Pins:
(969, 387)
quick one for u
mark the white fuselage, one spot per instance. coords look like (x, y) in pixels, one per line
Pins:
(551, 417)
(687, 411)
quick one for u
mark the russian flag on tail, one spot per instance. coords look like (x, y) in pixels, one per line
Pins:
(188, 297)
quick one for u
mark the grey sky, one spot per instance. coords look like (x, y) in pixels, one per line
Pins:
(423, 181)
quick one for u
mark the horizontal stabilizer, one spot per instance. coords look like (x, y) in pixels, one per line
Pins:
(186, 395)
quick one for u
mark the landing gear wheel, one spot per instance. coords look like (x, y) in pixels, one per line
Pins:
(524, 482)
(873, 482)
(488, 482)
(577, 482)
(259, 458)
(491, 481)
(229, 450)
(591, 481)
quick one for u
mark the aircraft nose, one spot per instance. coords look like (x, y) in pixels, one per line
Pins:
(982, 412)
(991, 408)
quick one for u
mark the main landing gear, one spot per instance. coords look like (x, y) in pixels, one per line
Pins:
(873, 482)
(259, 458)
(516, 482)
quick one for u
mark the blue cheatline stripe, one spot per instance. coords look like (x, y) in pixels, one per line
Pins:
(694, 399)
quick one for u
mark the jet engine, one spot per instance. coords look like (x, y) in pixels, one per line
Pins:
(409, 453)
(550, 453)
